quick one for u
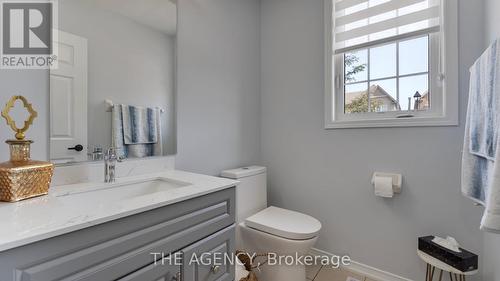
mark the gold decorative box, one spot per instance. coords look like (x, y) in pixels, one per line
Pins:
(22, 178)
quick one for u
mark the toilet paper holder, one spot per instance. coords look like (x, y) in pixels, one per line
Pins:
(397, 180)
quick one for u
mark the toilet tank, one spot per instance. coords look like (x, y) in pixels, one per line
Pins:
(251, 193)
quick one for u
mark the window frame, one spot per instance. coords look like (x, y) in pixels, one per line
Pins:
(443, 70)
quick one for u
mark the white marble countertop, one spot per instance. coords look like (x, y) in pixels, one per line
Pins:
(48, 216)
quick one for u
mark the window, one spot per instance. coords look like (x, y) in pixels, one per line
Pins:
(391, 77)
(391, 63)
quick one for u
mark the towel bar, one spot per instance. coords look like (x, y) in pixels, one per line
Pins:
(109, 106)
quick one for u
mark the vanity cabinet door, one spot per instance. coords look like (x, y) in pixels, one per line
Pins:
(209, 259)
(155, 272)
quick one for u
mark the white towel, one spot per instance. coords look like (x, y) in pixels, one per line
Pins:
(480, 168)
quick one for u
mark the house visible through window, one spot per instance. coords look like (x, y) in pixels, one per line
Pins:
(392, 77)
(386, 62)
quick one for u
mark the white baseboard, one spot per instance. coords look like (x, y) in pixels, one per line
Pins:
(363, 269)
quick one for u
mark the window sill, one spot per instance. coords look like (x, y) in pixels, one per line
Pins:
(392, 122)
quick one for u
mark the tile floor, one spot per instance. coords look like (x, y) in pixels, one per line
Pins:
(327, 273)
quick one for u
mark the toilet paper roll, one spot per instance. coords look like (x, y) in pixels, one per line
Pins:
(383, 187)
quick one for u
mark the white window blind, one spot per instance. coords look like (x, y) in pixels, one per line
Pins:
(363, 23)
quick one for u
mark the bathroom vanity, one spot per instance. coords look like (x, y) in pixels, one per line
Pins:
(122, 231)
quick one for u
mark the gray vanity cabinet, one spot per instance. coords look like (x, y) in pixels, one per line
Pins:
(122, 249)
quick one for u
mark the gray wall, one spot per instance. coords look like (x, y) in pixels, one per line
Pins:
(491, 241)
(491, 257)
(492, 24)
(219, 88)
(326, 173)
(129, 63)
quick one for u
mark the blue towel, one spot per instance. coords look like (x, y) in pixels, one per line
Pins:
(483, 106)
(134, 150)
(139, 124)
(480, 172)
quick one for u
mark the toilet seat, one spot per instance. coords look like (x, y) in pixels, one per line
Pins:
(285, 223)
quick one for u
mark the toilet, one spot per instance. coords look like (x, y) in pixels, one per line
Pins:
(263, 229)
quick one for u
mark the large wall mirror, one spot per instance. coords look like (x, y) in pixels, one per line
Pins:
(115, 81)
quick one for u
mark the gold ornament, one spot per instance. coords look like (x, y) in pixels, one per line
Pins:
(22, 178)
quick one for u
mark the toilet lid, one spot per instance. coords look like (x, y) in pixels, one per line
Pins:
(285, 223)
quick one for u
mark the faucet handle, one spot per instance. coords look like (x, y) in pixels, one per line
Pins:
(111, 150)
(112, 155)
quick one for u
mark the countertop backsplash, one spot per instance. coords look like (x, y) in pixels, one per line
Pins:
(94, 171)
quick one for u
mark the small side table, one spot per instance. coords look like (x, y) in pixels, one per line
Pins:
(433, 264)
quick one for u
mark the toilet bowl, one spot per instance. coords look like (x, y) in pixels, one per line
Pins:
(283, 234)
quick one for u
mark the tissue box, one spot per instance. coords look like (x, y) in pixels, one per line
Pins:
(464, 261)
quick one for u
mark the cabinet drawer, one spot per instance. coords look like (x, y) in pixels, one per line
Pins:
(206, 260)
(155, 272)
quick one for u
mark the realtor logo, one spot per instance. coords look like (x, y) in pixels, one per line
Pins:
(27, 28)
(27, 34)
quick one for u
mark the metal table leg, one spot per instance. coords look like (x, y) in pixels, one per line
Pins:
(429, 274)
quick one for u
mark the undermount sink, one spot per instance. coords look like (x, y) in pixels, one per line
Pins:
(124, 190)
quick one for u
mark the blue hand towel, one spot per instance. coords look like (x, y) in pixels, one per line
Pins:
(139, 124)
(139, 150)
(480, 172)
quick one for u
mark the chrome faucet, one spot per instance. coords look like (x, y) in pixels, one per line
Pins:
(110, 159)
